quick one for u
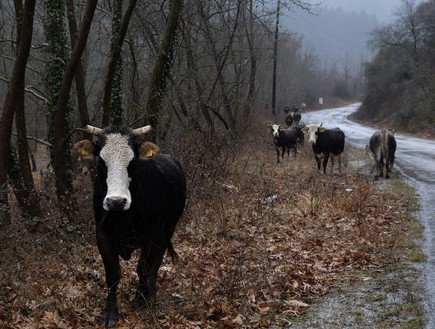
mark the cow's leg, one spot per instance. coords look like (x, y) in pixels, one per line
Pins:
(317, 157)
(339, 163)
(331, 169)
(113, 276)
(149, 263)
(387, 168)
(377, 165)
(277, 154)
(325, 162)
(381, 167)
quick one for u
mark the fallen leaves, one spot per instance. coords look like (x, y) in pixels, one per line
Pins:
(243, 262)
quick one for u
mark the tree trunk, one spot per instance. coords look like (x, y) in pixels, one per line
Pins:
(31, 207)
(57, 48)
(115, 55)
(193, 68)
(275, 61)
(60, 121)
(16, 81)
(20, 172)
(253, 61)
(79, 76)
(220, 62)
(162, 66)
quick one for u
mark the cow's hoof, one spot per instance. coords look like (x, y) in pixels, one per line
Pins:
(142, 301)
(109, 319)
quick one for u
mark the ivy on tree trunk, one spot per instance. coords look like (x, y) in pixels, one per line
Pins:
(164, 62)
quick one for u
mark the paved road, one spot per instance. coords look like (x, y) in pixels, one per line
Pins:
(415, 159)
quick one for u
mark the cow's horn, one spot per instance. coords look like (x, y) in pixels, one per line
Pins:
(141, 131)
(94, 130)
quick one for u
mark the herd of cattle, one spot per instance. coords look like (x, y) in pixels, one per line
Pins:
(140, 194)
(329, 143)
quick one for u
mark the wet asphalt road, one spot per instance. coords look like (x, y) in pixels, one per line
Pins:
(415, 159)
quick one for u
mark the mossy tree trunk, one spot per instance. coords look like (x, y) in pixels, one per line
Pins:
(112, 99)
(80, 74)
(58, 51)
(164, 62)
(61, 127)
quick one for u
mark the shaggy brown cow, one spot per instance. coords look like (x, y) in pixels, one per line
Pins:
(383, 146)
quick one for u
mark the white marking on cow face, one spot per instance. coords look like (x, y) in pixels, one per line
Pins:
(117, 155)
(275, 130)
(312, 132)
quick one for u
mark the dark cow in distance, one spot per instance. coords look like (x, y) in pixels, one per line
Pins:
(284, 139)
(326, 143)
(300, 136)
(292, 118)
(383, 146)
(139, 196)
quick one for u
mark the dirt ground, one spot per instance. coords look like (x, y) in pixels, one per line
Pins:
(267, 245)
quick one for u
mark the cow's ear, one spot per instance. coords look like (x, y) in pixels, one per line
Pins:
(148, 150)
(322, 129)
(85, 149)
(304, 130)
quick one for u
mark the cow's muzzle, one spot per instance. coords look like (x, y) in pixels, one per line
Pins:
(115, 203)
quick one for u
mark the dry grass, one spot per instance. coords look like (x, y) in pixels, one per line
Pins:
(244, 262)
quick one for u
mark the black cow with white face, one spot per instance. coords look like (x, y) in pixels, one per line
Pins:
(284, 139)
(139, 196)
(326, 143)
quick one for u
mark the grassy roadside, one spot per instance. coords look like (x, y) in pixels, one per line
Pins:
(392, 298)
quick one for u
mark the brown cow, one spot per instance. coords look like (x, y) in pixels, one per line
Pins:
(383, 147)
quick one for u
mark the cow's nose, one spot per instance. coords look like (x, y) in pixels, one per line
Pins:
(116, 203)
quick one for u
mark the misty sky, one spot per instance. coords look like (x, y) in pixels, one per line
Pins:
(383, 9)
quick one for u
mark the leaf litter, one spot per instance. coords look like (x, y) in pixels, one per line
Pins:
(244, 261)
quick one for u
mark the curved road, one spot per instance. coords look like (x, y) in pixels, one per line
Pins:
(415, 159)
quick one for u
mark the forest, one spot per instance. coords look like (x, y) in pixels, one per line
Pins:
(196, 67)
(399, 81)
(208, 76)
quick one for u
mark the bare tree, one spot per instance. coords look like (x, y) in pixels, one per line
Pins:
(15, 83)
(58, 51)
(119, 34)
(61, 134)
(161, 70)
(22, 180)
(80, 74)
